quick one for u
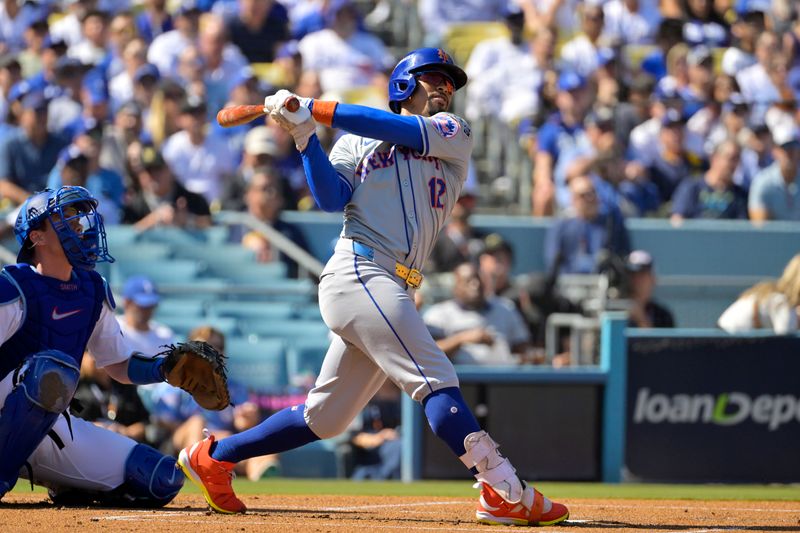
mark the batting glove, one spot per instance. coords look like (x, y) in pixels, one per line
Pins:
(302, 130)
(275, 101)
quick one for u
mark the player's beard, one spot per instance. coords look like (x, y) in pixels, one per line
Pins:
(435, 105)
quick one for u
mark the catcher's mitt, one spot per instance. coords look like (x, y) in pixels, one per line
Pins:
(199, 369)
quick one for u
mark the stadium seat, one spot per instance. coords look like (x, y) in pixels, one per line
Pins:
(304, 359)
(143, 251)
(173, 235)
(182, 325)
(181, 307)
(318, 459)
(461, 38)
(258, 365)
(252, 310)
(309, 312)
(174, 271)
(286, 329)
(120, 235)
(246, 271)
(272, 73)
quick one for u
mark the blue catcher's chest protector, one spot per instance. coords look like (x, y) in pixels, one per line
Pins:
(59, 314)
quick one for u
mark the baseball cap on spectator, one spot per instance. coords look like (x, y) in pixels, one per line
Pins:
(148, 71)
(141, 290)
(494, 243)
(188, 7)
(35, 100)
(335, 7)
(70, 66)
(131, 108)
(91, 127)
(71, 156)
(673, 117)
(744, 7)
(9, 61)
(570, 81)
(40, 23)
(260, 141)
(699, 56)
(193, 105)
(55, 43)
(151, 158)
(666, 89)
(602, 117)
(736, 102)
(639, 261)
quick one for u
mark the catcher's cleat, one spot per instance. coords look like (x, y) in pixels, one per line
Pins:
(494, 510)
(212, 476)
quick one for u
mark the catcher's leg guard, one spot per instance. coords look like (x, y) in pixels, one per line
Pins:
(45, 385)
(152, 480)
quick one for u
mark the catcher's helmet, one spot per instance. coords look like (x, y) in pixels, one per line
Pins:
(72, 212)
(403, 82)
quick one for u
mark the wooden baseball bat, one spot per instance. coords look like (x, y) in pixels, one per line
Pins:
(242, 114)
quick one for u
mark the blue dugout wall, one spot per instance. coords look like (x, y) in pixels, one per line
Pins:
(677, 405)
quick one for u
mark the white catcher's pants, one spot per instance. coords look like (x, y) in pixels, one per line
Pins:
(93, 458)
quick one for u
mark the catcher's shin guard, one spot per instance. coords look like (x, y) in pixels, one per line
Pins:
(152, 479)
(45, 385)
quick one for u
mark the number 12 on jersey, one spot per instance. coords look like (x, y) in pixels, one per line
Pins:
(437, 187)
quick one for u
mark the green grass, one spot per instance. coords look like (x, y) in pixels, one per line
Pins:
(463, 489)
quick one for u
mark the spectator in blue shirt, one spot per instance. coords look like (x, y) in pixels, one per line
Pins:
(153, 20)
(27, 156)
(715, 195)
(671, 165)
(562, 133)
(775, 191)
(575, 244)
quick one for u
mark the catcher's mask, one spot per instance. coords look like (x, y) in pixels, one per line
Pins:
(72, 212)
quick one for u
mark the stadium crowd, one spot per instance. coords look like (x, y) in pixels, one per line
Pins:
(681, 108)
(626, 108)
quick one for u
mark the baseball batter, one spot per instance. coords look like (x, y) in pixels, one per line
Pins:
(397, 176)
(53, 306)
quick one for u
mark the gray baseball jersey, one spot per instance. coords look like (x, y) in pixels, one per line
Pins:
(400, 201)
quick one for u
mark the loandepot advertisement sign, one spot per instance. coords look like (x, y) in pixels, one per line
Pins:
(715, 409)
(726, 409)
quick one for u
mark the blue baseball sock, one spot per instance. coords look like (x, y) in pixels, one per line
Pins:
(450, 418)
(285, 430)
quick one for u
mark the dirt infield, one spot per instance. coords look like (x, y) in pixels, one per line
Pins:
(344, 514)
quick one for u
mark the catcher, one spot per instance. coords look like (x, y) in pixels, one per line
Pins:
(54, 306)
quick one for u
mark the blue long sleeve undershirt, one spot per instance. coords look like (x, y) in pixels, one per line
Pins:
(331, 191)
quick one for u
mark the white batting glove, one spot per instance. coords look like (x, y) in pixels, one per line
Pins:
(301, 131)
(275, 101)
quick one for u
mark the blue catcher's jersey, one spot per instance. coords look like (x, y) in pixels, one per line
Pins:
(58, 314)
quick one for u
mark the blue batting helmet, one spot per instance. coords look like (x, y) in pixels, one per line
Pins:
(403, 81)
(72, 212)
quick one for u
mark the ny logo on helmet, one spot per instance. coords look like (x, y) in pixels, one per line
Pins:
(443, 56)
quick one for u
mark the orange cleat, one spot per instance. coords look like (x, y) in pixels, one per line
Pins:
(494, 510)
(212, 476)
